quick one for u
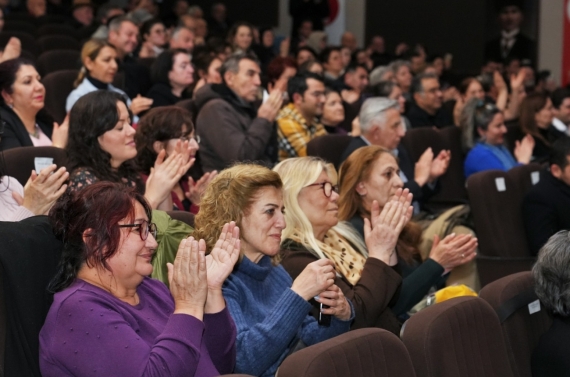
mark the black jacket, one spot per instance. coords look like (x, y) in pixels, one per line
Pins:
(15, 133)
(136, 77)
(162, 95)
(524, 48)
(550, 357)
(420, 118)
(546, 210)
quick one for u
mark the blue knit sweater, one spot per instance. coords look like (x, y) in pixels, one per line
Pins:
(270, 318)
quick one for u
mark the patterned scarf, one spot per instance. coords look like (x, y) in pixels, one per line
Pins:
(347, 261)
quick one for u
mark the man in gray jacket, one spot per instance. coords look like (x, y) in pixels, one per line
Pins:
(230, 127)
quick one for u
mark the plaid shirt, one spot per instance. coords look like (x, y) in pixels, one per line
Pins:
(294, 133)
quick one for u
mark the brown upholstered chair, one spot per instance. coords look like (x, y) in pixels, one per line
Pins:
(27, 40)
(20, 161)
(57, 60)
(189, 105)
(328, 147)
(526, 176)
(58, 42)
(17, 25)
(58, 86)
(510, 297)
(452, 190)
(56, 29)
(367, 352)
(185, 217)
(496, 206)
(458, 337)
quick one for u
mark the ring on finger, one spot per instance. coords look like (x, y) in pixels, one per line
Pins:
(462, 255)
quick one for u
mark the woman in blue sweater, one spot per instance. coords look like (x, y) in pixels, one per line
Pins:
(270, 310)
(485, 122)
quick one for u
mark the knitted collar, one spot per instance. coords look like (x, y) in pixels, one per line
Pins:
(257, 271)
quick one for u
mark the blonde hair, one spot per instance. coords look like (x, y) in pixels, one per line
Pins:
(229, 197)
(91, 50)
(297, 173)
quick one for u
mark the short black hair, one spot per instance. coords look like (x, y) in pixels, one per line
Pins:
(298, 83)
(326, 53)
(417, 86)
(306, 48)
(559, 152)
(558, 96)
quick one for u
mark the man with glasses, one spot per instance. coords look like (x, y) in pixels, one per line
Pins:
(298, 122)
(426, 110)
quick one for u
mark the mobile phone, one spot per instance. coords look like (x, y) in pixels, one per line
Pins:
(41, 163)
(324, 319)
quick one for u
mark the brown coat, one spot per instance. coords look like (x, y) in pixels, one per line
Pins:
(371, 297)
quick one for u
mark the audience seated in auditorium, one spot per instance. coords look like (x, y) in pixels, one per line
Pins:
(369, 182)
(381, 124)
(392, 91)
(269, 308)
(333, 112)
(488, 151)
(551, 282)
(279, 71)
(98, 72)
(536, 120)
(314, 233)
(355, 78)
(182, 38)
(172, 73)
(161, 129)
(206, 70)
(218, 23)
(105, 13)
(123, 35)
(332, 63)
(545, 206)
(561, 109)
(298, 122)
(153, 38)
(102, 148)
(403, 77)
(230, 126)
(313, 66)
(304, 54)
(378, 53)
(23, 96)
(109, 316)
(240, 37)
(426, 108)
(82, 12)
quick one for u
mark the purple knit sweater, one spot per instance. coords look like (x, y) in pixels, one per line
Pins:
(89, 332)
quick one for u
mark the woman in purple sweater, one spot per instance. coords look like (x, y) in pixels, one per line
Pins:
(109, 319)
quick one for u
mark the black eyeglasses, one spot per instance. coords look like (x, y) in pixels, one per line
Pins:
(144, 229)
(327, 187)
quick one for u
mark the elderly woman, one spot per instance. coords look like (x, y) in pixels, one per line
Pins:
(99, 60)
(108, 316)
(269, 308)
(551, 282)
(160, 129)
(102, 148)
(23, 95)
(313, 233)
(369, 181)
(172, 73)
(490, 152)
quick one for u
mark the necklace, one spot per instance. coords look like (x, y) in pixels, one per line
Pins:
(36, 133)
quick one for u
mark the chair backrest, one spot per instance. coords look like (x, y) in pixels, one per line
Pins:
(185, 217)
(27, 40)
(521, 329)
(17, 25)
(20, 161)
(29, 255)
(190, 105)
(452, 183)
(526, 176)
(58, 42)
(458, 337)
(56, 29)
(57, 60)
(58, 86)
(329, 147)
(496, 205)
(366, 352)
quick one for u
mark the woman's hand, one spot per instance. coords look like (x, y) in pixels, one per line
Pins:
(140, 104)
(42, 190)
(166, 173)
(453, 250)
(221, 260)
(196, 189)
(315, 278)
(188, 279)
(523, 149)
(337, 302)
(381, 232)
(60, 133)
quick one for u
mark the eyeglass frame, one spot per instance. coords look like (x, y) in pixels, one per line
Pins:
(154, 231)
(323, 185)
(196, 138)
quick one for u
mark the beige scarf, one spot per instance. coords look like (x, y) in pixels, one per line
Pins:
(347, 261)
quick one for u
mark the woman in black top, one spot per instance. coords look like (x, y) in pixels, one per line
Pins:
(172, 73)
